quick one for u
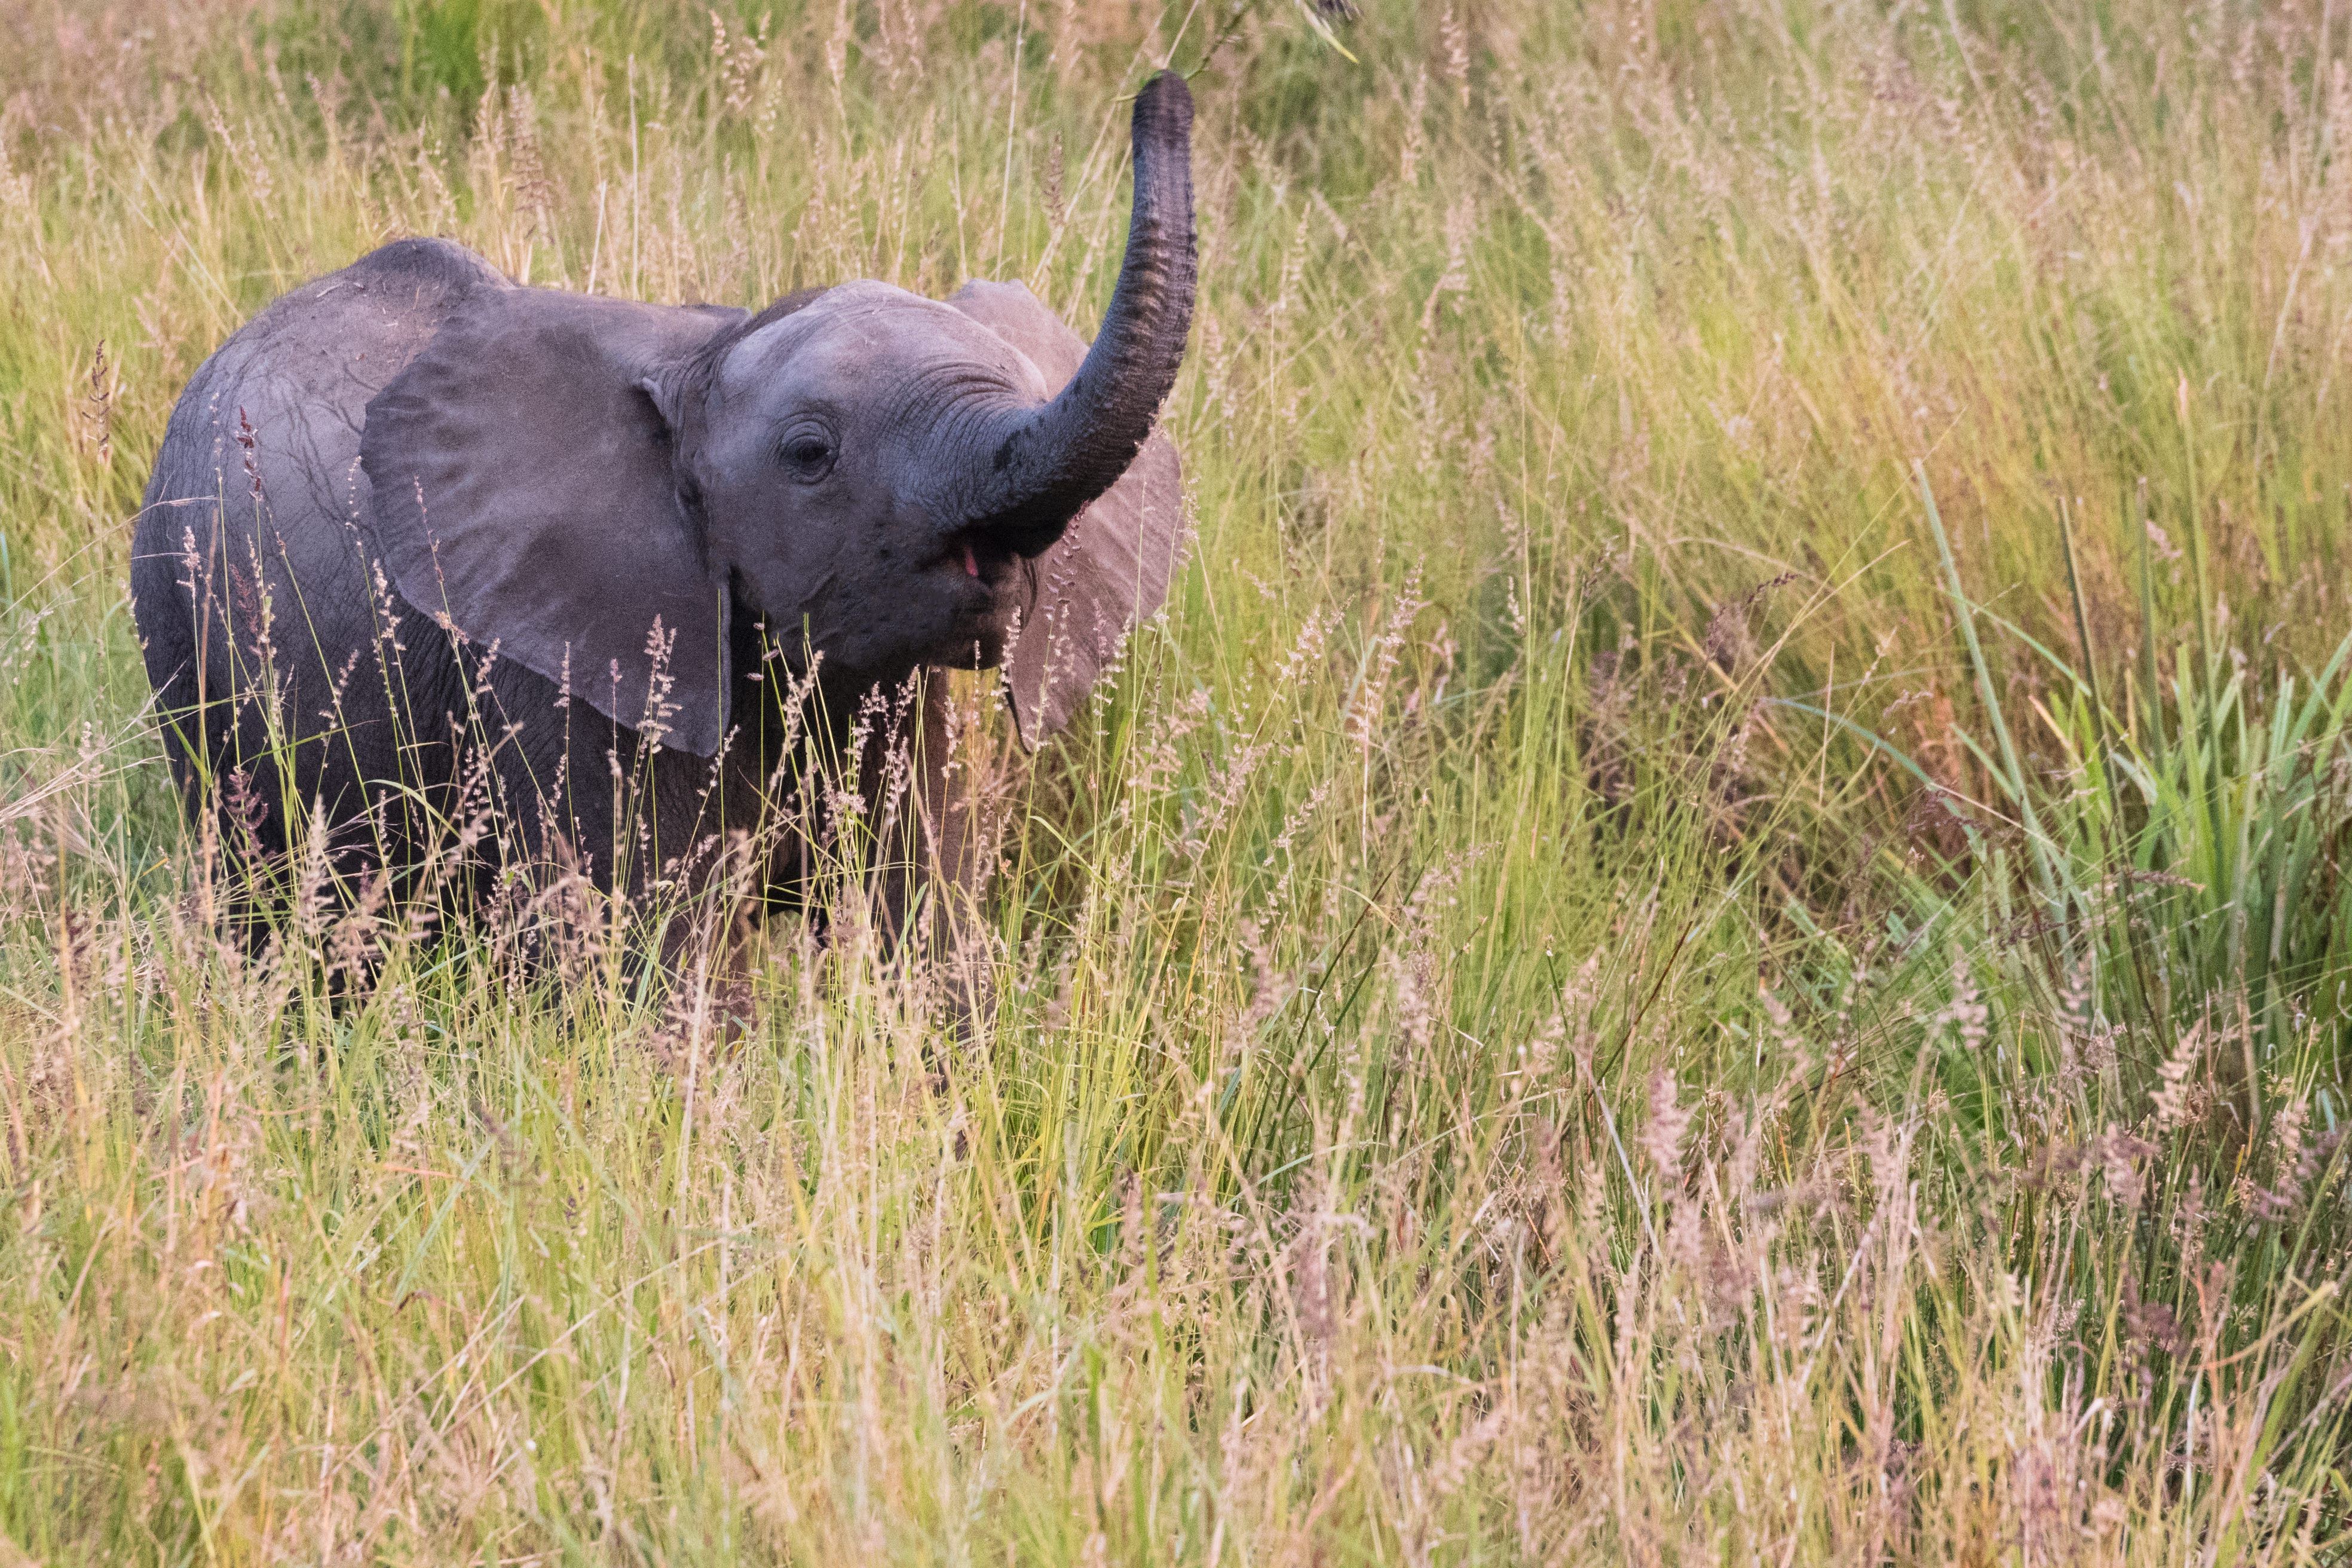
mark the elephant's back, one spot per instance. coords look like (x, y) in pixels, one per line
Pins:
(285, 395)
(259, 471)
(249, 543)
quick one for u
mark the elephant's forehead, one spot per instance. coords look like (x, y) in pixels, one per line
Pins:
(861, 331)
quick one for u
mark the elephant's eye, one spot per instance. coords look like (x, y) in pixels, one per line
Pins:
(807, 457)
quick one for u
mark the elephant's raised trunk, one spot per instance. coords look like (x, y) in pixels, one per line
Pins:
(1044, 464)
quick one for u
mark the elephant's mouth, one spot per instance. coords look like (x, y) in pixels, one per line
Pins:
(985, 564)
(978, 580)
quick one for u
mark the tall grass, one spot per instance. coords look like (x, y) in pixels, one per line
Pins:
(1711, 930)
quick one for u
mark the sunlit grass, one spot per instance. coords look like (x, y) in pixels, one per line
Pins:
(1711, 930)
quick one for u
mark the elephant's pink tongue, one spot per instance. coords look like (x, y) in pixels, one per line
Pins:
(971, 560)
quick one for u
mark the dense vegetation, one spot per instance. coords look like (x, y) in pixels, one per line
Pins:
(1713, 928)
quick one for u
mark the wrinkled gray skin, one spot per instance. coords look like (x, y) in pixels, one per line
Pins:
(413, 505)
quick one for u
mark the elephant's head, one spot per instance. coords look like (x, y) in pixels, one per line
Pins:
(888, 481)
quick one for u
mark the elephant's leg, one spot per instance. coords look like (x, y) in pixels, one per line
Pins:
(717, 846)
(937, 844)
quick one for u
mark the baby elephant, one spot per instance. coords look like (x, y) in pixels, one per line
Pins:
(413, 522)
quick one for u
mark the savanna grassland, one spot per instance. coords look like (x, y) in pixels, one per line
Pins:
(1713, 928)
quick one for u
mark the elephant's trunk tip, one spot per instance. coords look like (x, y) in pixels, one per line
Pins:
(1163, 112)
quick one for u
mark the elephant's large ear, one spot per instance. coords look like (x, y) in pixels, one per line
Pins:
(1111, 569)
(523, 493)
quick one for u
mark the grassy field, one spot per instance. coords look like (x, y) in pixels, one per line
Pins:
(1713, 930)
